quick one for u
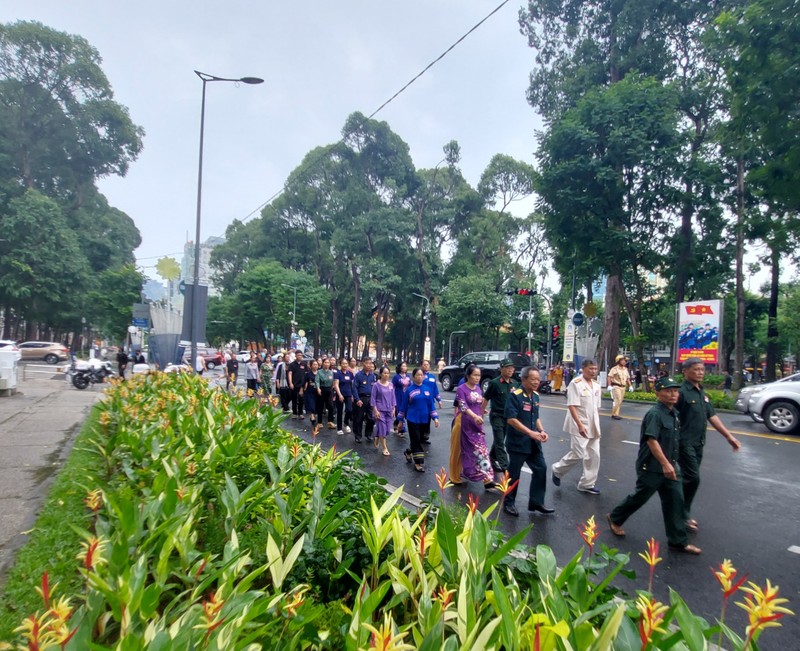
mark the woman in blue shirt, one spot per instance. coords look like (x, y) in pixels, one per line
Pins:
(418, 408)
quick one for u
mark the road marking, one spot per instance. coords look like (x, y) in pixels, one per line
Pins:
(794, 549)
(631, 442)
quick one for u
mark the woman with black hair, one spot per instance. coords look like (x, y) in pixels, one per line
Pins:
(417, 408)
(400, 381)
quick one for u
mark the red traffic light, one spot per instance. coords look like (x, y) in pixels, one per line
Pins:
(556, 331)
(525, 291)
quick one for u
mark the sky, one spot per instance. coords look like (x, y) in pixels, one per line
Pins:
(321, 61)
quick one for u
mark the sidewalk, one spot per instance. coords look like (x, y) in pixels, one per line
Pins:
(38, 426)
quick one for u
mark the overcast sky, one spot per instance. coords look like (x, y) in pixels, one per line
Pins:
(320, 61)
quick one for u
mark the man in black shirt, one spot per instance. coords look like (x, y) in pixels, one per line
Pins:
(297, 371)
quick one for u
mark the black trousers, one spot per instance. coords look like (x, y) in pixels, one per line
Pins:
(297, 401)
(325, 403)
(285, 394)
(362, 416)
(415, 433)
(344, 412)
(535, 461)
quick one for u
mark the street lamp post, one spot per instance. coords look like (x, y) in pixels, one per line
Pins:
(205, 78)
(450, 354)
(427, 348)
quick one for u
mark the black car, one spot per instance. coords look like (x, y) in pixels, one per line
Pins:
(489, 363)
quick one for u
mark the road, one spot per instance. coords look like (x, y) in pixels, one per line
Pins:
(748, 506)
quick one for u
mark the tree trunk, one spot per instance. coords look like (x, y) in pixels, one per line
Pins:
(356, 307)
(609, 343)
(738, 378)
(772, 314)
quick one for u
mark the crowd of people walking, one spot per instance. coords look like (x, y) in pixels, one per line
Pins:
(351, 397)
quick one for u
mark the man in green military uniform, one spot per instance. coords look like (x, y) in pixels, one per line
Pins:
(497, 393)
(524, 438)
(696, 411)
(657, 470)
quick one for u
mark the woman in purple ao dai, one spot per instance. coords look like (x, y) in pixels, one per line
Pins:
(469, 455)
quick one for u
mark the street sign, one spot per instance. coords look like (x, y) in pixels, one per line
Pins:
(578, 319)
(182, 287)
(140, 323)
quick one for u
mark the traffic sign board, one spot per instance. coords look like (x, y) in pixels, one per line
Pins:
(578, 319)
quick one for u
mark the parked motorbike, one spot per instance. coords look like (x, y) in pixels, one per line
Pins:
(544, 386)
(94, 371)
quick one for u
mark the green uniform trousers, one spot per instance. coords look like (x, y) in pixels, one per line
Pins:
(671, 494)
(690, 457)
(498, 455)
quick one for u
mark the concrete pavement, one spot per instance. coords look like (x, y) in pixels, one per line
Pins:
(38, 426)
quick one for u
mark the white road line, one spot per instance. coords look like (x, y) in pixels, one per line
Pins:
(631, 442)
(794, 549)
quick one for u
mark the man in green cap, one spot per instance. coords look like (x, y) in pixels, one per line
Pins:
(657, 470)
(696, 412)
(497, 393)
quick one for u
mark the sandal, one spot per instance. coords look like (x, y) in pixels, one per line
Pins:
(686, 549)
(409, 458)
(419, 468)
(386, 453)
(691, 525)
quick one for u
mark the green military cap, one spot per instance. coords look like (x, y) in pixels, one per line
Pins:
(666, 383)
(506, 362)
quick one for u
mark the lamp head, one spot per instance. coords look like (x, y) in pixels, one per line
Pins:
(251, 80)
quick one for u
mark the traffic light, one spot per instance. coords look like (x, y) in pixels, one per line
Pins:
(522, 291)
(556, 332)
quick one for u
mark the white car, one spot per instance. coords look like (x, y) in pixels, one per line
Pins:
(776, 404)
(745, 393)
(10, 345)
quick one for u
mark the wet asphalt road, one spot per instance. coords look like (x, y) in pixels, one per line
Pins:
(748, 506)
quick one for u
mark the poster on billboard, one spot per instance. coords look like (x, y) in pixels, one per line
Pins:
(699, 330)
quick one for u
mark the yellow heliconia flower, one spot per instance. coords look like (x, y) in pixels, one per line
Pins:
(589, 533)
(651, 556)
(94, 500)
(652, 618)
(385, 637)
(506, 485)
(92, 554)
(763, 608)
(726, 575)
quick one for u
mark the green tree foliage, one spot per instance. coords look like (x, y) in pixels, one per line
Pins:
(110, 304)
(758, 46)
(372, 230)
(60, 130)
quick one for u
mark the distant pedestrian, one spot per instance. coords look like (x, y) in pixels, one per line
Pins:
(558, 377)
(343, 395)
(727, 384)
(251, 374)
(122, 362)
(231, 371)
(324, 387)
(582, 423)
(308, 391)
(619, 380)
(282, 383)
(297, 375)
(363, 422)
(199, 362)
(400, 382)
(658, 471)
(139, 359)
(266, 370)
(384, 407)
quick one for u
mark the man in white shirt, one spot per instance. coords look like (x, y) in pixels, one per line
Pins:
(582, 423)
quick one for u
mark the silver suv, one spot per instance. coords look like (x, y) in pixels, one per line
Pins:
(776, 404)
